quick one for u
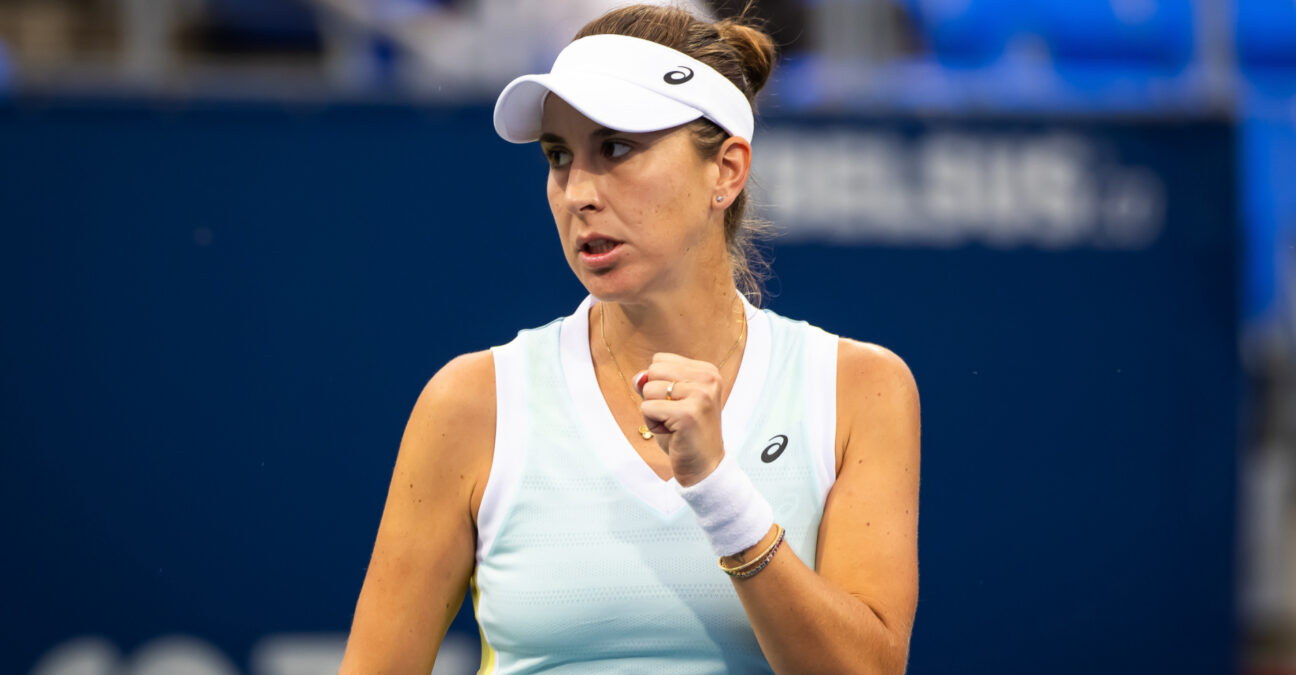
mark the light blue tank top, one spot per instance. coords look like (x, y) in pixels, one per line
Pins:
(587, 562)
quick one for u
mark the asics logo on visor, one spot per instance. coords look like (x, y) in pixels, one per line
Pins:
(678, 76)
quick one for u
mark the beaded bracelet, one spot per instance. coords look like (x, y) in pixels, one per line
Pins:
(751, 567)
(743, 567)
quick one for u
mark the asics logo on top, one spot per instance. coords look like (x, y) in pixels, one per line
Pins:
(776, 447)
(678, 76)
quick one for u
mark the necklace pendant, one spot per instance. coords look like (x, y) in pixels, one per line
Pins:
(643, 431)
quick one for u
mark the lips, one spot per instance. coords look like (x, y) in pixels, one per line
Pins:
(599, 252)
(599, 246)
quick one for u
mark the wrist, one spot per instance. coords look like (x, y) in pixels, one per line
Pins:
(732, 513)
(748, 554)
(757, 561)
(687, 478)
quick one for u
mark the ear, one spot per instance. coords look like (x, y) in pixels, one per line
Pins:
(734, 163)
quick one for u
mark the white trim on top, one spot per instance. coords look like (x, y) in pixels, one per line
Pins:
(509, 453)
(821, 393)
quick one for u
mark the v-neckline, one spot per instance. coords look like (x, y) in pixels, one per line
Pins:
(600, 425)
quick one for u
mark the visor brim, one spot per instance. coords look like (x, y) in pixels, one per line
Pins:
(608, 101)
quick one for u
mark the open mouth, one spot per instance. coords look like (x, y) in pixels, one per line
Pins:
(599, 246)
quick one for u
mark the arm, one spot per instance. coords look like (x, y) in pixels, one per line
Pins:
(855, 615)
(425, 549)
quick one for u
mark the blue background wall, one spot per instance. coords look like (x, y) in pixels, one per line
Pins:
(215, 320)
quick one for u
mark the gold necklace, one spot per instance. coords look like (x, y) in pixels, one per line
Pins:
(643, 428)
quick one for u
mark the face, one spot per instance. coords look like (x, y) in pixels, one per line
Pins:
(634, 210)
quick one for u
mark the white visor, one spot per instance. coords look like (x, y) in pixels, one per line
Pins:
(627, 84)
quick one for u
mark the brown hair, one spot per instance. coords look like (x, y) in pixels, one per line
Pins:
(743, 52)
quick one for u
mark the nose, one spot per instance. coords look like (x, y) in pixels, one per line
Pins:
(582, 191)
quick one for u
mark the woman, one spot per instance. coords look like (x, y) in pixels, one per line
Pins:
(588, 520)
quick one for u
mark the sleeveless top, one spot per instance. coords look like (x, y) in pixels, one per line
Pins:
(588, 562)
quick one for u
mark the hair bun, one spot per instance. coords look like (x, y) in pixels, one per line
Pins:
(755, 50)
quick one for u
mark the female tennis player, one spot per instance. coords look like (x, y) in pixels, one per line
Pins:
(668, 480)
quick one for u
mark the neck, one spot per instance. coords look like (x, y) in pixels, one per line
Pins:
(701, 326)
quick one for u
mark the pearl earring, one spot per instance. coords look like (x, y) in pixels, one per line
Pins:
(719, 198)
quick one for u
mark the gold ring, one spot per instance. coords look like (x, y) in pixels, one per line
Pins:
(670, 390)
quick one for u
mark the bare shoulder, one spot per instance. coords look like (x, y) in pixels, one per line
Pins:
(876, 395)
(463, 390)
(453, 424)
(865, 365)
(425, 544)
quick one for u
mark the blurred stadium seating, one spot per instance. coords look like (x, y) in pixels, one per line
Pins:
(1132, 34)
(261, 24)
(1266, 35)
(6, 70)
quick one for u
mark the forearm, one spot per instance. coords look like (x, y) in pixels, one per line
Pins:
(807, 625)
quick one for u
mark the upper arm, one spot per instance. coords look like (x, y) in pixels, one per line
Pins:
(425, 549)
(868, 539)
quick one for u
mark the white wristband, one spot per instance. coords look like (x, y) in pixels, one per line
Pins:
(733, 514)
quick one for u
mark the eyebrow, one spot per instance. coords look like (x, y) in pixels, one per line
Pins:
(600, 132)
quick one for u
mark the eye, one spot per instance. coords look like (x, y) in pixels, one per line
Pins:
(615, 149)
(558, 157)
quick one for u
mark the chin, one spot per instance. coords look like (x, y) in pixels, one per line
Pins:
(611, 286)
